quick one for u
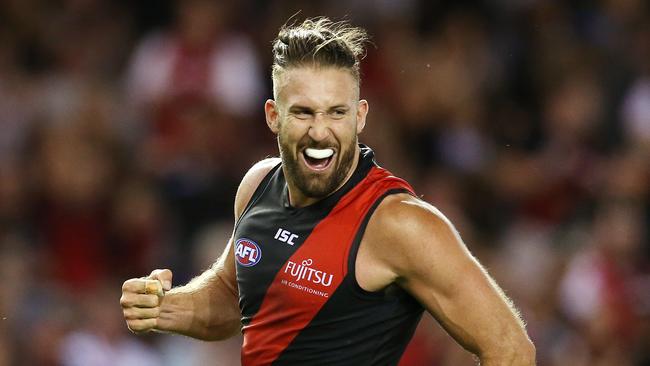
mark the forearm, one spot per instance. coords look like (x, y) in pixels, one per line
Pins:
(522, 354)
(206, 308)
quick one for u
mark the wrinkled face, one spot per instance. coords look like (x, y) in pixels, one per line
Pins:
(317, 116)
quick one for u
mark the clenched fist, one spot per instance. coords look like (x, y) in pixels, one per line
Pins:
(141, 300)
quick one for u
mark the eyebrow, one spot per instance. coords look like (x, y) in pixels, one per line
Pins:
(301, 108)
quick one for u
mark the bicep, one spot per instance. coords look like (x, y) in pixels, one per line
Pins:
(440, 272)
(247, 187)
(462, 297)
(223, 296)
(224, 268)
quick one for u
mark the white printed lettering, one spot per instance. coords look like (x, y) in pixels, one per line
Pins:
(290, 241)
(285, 236)
(304, 271)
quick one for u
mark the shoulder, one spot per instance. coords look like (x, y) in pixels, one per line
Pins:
(251, 181)
(405, 229)
(401, 214)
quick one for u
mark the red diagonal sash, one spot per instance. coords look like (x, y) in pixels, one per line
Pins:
(312, 274)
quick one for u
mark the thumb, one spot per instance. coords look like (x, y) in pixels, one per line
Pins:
(164, 276)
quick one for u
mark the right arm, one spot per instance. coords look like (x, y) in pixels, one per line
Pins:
(207, 307)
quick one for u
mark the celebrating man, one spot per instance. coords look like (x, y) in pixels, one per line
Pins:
(332, 259)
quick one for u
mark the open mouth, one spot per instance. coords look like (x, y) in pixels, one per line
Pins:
(318, 159)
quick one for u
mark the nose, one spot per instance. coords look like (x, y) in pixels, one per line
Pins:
(319, 130)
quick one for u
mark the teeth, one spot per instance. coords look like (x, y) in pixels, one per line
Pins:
(319, 153)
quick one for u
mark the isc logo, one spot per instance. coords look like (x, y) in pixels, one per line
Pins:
(247, 252)
(285, 236)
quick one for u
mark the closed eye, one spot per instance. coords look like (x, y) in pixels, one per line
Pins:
(338, 113)
(301, 112)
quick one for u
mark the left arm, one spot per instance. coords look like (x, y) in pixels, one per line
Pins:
(415, 246)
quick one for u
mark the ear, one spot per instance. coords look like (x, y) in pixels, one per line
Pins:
(272, 115)
(362, 112)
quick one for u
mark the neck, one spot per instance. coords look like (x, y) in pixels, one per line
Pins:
(298, 199)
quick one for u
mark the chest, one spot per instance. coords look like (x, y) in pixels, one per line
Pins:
(284, 255)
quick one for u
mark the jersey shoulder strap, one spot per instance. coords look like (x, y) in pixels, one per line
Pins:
(259, 191)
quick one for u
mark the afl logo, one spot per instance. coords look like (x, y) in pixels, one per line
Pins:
(247, 252)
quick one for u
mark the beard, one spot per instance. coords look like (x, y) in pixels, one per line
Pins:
(312, 184)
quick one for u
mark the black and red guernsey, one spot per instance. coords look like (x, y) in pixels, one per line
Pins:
(298, 294)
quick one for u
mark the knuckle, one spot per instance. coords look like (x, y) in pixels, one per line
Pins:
(130, 284)
(125, 301)
(125, 285)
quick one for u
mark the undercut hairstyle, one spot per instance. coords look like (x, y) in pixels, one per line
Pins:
(318, 42)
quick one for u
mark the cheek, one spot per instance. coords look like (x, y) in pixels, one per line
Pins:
(291, 133)
(346, 132)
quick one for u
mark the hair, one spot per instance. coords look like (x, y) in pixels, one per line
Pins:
(319, 42)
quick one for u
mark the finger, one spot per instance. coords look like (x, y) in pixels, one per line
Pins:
(129, 299)
(143, 286)
(135, 313)
(135, 285)
(141, 325)
(164, 276)
(153, 287)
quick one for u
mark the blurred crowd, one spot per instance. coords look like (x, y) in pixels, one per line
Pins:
(125, 127)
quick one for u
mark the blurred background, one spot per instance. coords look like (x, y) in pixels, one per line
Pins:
(125, 127)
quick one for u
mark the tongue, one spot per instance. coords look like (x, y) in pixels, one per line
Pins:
(316, 163)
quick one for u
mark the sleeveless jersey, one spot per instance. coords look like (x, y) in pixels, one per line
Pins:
(298, 295)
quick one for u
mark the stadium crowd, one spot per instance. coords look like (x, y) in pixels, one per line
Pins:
(125, 127)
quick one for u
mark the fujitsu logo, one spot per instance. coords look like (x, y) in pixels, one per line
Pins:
(303, 271)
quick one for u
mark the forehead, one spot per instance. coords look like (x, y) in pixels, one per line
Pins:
(318, 87)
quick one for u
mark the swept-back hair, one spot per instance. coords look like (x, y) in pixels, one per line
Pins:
(319, 42)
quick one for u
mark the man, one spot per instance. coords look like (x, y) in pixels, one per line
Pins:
(332, 260)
